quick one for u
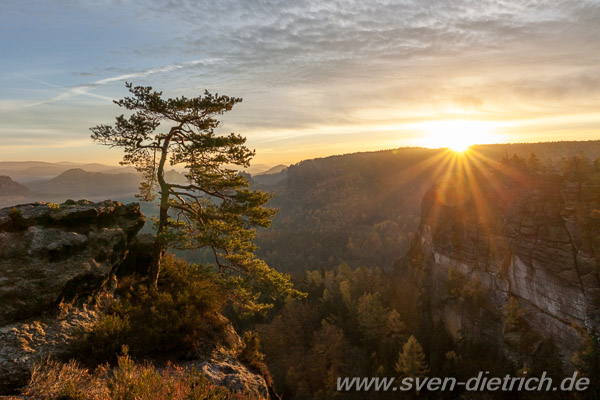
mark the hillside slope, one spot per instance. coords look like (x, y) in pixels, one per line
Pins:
(8, 187)
(11, 192)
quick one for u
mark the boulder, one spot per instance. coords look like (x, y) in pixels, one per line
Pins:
(226, 370)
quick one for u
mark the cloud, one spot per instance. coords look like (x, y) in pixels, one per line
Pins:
(85, 89)
(307, 65)
(319, 61)
(269, 34)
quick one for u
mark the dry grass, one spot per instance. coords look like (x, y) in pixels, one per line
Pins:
(128, 381)
(54, 380)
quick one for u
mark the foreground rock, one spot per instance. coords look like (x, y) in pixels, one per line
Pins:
(538, 242)
(27, 342)
(226, 370)
(57, 272)
(51, 253)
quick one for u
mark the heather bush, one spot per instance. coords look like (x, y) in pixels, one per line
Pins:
(56, 381)
(156, 323)
(129, 380)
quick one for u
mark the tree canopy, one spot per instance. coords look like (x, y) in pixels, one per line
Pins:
(411, 360)
(214, 209)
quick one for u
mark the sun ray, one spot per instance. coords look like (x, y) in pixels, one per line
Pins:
(416, 172)
(440, 189)
(502, 168)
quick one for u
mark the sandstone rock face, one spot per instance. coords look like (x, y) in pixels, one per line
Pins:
(225, 370)
(222, 366)
(52, 254)
(538, 243)
(26, 342)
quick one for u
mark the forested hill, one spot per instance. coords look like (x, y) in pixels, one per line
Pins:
(359, 208)
(363, 208)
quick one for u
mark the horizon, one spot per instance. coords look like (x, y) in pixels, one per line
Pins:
(316, 79)
(260, 168)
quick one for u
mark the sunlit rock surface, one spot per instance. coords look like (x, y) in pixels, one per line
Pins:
(536, 241)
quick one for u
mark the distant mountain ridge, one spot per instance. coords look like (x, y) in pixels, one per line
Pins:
(271, 176)
(275, 170)
(78, 182)
(28, 171)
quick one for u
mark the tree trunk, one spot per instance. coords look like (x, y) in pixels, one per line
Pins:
(154, 270)
(160, 243)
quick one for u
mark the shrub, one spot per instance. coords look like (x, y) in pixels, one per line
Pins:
(55, 381)
(251, 355)
(513, 314)
(456, 282)
(166, 321)
(144, 382)
(17, 220)
(466, 290)
(128, 381)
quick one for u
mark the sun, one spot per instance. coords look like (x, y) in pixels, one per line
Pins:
(459, 146)
(456, 134)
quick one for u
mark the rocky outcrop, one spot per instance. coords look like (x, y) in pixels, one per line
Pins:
(484, 241)
(26, 342)
(54, 252)
(58, 269)
(226, 370)
(50, 256)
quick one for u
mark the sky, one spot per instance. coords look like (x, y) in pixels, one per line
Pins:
(317, 77)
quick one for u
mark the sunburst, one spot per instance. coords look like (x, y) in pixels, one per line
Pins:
(457, 134)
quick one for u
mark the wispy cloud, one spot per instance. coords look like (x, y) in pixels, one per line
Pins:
(85, 89)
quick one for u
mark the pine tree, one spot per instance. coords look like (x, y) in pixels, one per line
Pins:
(394, 326)
(411, 360)
(393, 337)
(534, 164)
(371, 316)
(215, 209)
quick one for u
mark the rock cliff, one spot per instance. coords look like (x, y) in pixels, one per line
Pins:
(482, 242)
(58, 264)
